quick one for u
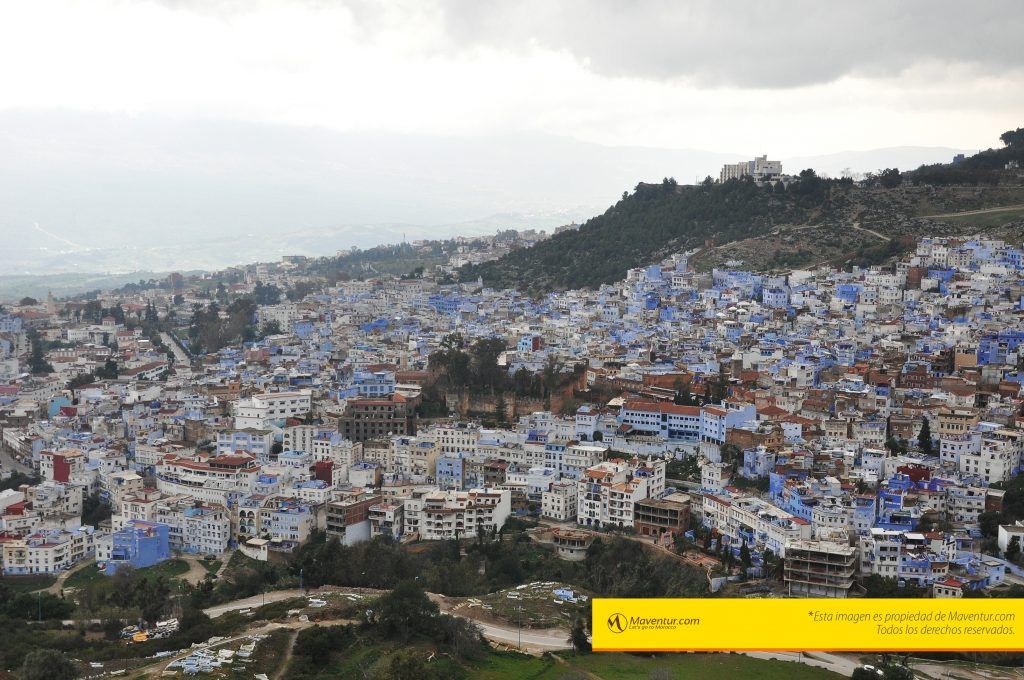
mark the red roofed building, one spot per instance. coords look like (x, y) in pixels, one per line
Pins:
(662, 419)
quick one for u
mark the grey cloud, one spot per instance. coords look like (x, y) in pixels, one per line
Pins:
(764, 44)
(767, 44)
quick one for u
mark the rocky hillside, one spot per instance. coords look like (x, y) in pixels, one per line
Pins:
(876, 224)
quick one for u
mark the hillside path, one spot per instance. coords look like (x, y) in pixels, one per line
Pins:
(982, 211)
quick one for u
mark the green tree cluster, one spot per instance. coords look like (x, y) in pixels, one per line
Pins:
(266, 294)
(209, 332)
(128, 589)
(614, 565)
(37, 362)
(654, 220)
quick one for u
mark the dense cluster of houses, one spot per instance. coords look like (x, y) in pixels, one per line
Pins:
(849, 423)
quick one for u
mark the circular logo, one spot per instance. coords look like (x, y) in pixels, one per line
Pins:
(617, 623)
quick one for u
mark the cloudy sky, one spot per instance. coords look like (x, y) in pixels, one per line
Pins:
(808, 77)
(791, 79)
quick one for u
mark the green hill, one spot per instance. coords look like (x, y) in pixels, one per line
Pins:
(813, 221)
(656, 220)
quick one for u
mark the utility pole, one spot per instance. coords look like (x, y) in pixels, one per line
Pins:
(519, 610)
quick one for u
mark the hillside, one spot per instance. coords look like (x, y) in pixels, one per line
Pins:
(656, 220)
(876, 224)
(814, 221)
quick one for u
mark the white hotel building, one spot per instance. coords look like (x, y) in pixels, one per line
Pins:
(211, 479)
(443, 515)
(261, 411)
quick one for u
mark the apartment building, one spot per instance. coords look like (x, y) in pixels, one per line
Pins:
(820, 568)
(454, 438)
(193, 526)
(256, 442)
(48, 551)
(759, 524)
(655, 516)
(365, 419)
(444, 515)
(559, 502)
(261, 411)
(413, 457)
(211, 479)
(348, 519)
(387, 519)
(281, 519)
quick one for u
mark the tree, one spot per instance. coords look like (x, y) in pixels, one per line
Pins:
(721, 388)
(500, 407)
(989, 523)
(883, 586)
(1013, 138)
(406, 611)
(95, 510)
(462, 636)
(108, 371)
(408, 665)
(924, 437)
(28, 302)
(896, 672)
(17, 479)
(316, 644)
(48, 664)
(1013, 549)
(578, 636)
(889, 178)
(303, 288)
(896, 445)
(37, 362)
(81, 379)
(731, 454)
(767, 559)
(683, 396)
(485, 353)
(745, 558)
(266, 294)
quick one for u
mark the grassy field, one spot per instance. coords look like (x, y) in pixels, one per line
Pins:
(169, 569)
(614, 666)
(211, 565)
(374, 659)
(84, 577)
(990, 219)
(237, 562)
(28, 584)
(504, 665)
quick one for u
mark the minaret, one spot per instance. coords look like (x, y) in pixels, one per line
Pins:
(51, 306)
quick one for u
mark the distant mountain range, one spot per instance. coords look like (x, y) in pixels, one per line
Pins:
(103, 193)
